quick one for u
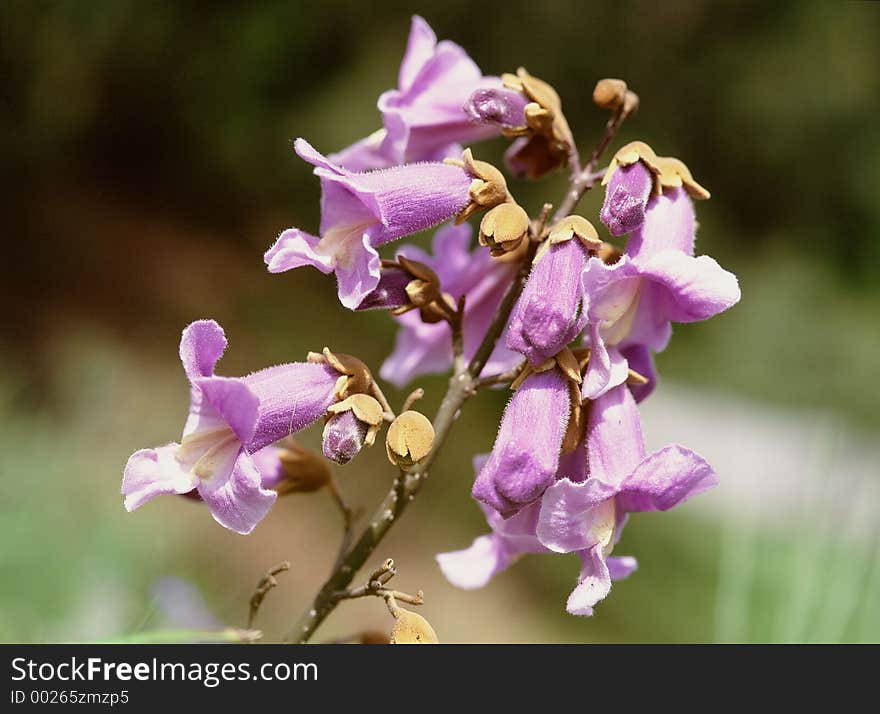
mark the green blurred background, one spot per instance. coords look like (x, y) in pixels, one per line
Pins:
(147, 164)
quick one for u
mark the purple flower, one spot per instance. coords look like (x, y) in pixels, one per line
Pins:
(489, 554)
(626, 198)
(549, 313)
(361, 211)
(658, 281)
(222, 454)
(585, 512)
(344, 437)
(424, 118)
(525, 456)
(424, 348)
(503, 107)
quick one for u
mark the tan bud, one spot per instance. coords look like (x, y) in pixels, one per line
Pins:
(609, 93)
(424, 288)
(630, 103)
(355, 377)
(410, 628)
(503, 228)
(488, 189)
(575, 227)
(674, 174)
(302, 471)
(409, 438)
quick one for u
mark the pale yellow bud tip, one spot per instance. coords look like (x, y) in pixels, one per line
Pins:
(409, 439)
(410, 628)
(609, 93)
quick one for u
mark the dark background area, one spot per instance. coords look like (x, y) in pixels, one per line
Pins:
(147, 164)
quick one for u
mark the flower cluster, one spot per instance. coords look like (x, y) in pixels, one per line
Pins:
(569, 320)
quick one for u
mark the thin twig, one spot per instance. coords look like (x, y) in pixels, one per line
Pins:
(349, 516)
(266, 583)
(413, 397)
(501, 378)
(456, 324)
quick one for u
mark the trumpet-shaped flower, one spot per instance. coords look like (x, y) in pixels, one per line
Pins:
(424, 348)
(525, 457)
(549, 313)
(424, 118)
(657, 281)
(361, 211)
(222, 454)
(585, 511)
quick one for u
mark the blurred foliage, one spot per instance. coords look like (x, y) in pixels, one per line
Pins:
(147, 163)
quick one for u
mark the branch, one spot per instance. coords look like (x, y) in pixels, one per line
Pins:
(267, 582)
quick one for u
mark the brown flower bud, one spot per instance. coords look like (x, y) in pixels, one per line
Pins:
(410, 628)
(630, 103)
(609, 93)
(409, 439)
(355, 377)
(575, 226)
(301, 470)
(503, 228)
(488, 189)
(374, 637)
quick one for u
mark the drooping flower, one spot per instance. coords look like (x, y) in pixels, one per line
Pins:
(585, 509)
(424, 118)
(657, 281)
(222, 454)
(525, 457)
(549, 314)
(584, 512)
(361, 211)
(424, 348)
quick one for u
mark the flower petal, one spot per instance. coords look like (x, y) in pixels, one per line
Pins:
(291, 397)
(357, 275)
(201, 346)
(419, 48)
(626, 198)
(670, 224)
(620, 567)
(615, 444)
(606, 369)
(294, 249)
(664, 479)
(154, 472)
(526, 452)
(698, 288)
(594, 583)
(236, 496)
(639, 359)
(231, 398)
(573, 517)
(475, 566)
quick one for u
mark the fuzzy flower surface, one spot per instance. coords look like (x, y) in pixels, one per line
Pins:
(225, 453)
(425, 348)
(361, 211)
(424, 117)
(585, 509)
(632, 303)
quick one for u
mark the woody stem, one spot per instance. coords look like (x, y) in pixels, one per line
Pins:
(409, 481)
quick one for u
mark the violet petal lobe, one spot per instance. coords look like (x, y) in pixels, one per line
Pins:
(664, 479)
(594, 583)
(236, 497)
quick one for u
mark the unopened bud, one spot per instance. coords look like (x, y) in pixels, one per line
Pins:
(300, 470)
(409, 438)
(630, 103)
(353, 424)
(410, 628)
(503, 228)
(609, 93)
(498, 105)
(403, 285)
(354, 376)
(374, 637)
(488, 188)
